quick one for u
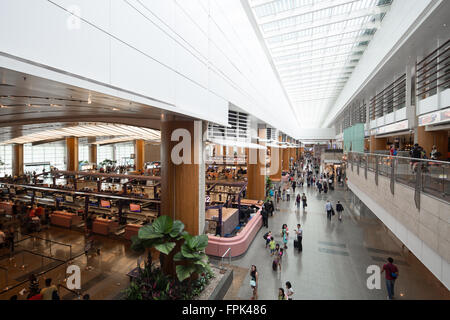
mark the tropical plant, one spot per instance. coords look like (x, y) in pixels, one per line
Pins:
(193, 256)
(162, 235)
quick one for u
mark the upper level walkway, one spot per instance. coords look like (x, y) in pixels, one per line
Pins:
(410, 196)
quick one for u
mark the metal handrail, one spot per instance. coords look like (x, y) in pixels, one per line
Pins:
(77, 293)
(51, 241)
(399, 157)
(424, 175)
(223, 256)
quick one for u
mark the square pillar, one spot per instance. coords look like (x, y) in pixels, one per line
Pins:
(426, 139)
(183, 173)
(17, 160)
(139, 154)
(72, 153)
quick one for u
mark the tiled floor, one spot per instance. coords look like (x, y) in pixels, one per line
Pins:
(335, 257)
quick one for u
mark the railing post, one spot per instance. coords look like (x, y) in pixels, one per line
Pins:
(357, 164)
(418, 186)
(366, 159)
(392, 175)
(376, 170)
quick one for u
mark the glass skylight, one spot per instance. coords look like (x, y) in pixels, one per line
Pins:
(315, 45)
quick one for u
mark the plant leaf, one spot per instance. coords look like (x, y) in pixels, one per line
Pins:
(162, 225)
(165, 247)
(186, 251)
(184, 272)
(201, 242)
(177, 229)
(178, 257)
(148, 232)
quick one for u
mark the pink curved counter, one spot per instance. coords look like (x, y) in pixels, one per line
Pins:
(239, 244)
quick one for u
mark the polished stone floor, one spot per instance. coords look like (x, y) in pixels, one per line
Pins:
(332, 265)
(335, 256)
(103, 276)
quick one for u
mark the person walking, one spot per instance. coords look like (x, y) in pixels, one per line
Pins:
(47, 292)
(289, 291)
(391, 274)
(268, 236)
(298, 200)
(299, 233)
(288, 194)
(276, 258)
(339, 209)
(304, 201)
(328, 208)
(285, 234)
(265, 216)
(254, 282)
(281, 294)
(294, 185)
(272, 246)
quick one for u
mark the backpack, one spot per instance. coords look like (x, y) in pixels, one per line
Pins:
(265, 236)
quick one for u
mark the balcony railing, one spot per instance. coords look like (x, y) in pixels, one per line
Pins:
(428, 176)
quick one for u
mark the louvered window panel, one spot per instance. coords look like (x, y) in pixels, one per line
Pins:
(238, 128)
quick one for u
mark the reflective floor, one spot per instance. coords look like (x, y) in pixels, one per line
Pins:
(103, 276)
(335, 256)
(332, 265)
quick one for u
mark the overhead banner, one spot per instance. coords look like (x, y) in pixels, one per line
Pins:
(398, 126)
(435, 117)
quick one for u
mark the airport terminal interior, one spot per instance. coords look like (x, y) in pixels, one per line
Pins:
(224, 150)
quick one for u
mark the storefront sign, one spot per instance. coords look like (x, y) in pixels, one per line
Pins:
(402, 125)
(435, 117)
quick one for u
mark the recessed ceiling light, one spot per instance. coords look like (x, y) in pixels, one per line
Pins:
(115, 109)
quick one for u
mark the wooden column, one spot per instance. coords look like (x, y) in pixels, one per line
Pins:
(426, 139)
(256, 172)
(183, 184)
(286, 155)
(92, 150)
(139, 154)
(72, 153)
(17, 160)
(276, 156)
(377, 144)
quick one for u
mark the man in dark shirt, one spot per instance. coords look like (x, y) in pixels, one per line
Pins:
(390, 275)
(265, 216)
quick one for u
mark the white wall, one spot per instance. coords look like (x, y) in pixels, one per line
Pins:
(398, 24)
(193, 57)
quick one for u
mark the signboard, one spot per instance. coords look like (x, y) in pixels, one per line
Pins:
(435, 117)
(398, 126)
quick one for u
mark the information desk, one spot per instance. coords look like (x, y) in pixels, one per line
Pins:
(230, 218)
(217, 246)
(104, 226)
(248, 202)
(64, 219)
(131, 229)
